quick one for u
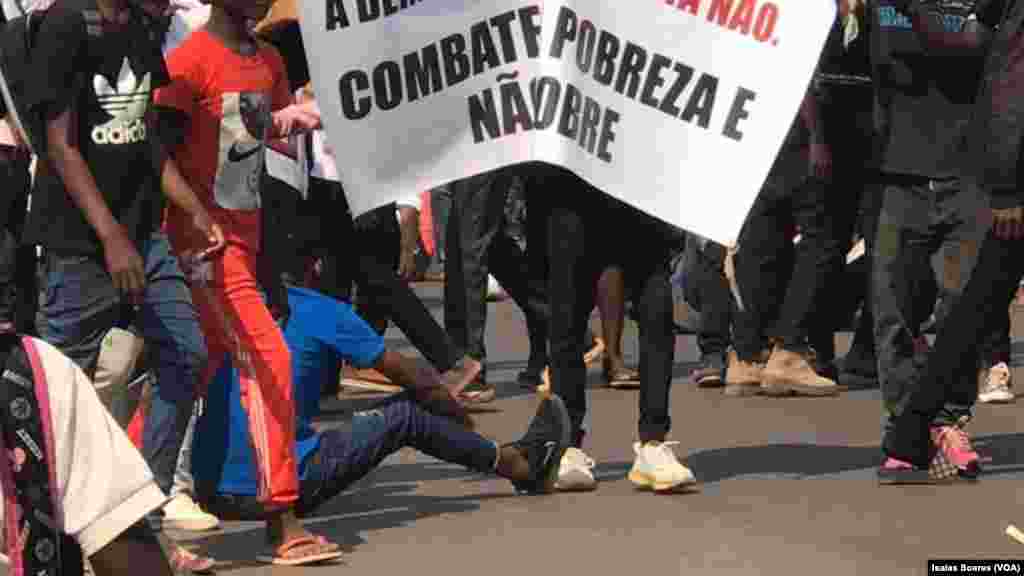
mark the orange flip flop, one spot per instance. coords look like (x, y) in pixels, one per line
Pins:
(324, 551)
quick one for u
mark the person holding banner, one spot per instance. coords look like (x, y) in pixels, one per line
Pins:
(927, 71)
(228, 96)
(578, 219)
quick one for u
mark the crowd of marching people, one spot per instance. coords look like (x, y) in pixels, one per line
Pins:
(179, 260)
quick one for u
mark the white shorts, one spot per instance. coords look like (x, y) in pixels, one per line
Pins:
(103, 486)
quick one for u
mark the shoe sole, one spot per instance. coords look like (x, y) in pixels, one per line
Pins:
(574, 484)
(370, 387)
(709, 381)
(780, 389)
(191, 525)
(646, 482)
(742, 390)
(564, 439)
(906, 477)
(996, 400)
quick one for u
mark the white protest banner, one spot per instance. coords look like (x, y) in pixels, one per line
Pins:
(677, 107)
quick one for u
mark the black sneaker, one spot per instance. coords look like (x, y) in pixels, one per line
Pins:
(544, 444)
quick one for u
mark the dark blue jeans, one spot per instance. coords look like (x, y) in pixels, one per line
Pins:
(349, 453)
(78, 305)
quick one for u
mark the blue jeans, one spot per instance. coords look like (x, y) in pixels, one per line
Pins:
(78, 304)
(348, 454)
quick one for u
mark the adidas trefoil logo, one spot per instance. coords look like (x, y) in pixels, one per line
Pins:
(126, 103)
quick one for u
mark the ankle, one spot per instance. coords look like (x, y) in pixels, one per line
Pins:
(282, 523)
(652, 440)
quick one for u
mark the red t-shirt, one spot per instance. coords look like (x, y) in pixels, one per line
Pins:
(228, 98)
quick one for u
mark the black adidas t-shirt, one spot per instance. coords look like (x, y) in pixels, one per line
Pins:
(108, 75)
(923, 102)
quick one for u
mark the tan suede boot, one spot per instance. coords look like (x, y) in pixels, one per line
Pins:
(789, 373)
(743, 378)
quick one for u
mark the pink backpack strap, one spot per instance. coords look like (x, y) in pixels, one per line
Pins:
(43, 398)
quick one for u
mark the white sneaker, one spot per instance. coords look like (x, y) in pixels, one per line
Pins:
(495, 292)
(575, 472)
(995, 385)
(182, 513)
(656, 467)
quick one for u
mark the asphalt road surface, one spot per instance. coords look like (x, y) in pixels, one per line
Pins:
(786, 487)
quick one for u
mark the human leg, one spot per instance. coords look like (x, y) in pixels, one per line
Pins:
(992, 285)
(235, 318)
(347, 454)
(762, 266)
(176, 352)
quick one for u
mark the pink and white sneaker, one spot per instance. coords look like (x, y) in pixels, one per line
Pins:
(954, 446)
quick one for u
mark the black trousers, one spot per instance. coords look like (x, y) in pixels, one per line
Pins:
(708, 293)
(853, 202)
(918, 219)
(587, 231)
(949, 376)
(478, 246)
(365, 252)
(782, 285)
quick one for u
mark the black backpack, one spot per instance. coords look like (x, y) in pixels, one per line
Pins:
(17, 39)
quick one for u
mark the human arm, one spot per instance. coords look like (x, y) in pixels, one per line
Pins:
(60, 43)
(122, 258)
(425, 382)
(408, 226)
(289, 115)
(336, 326)
(180, 194)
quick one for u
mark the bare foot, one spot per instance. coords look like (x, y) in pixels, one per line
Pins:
(289, 543)
(462, 374)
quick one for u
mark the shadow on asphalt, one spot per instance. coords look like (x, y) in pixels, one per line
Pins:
(387, 498)
(343, 519)
(1004, 455)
